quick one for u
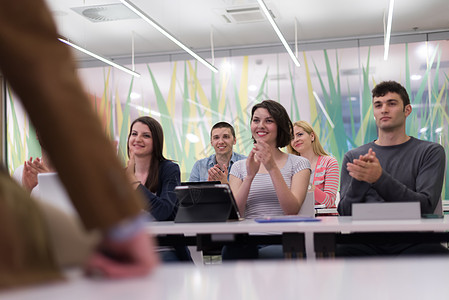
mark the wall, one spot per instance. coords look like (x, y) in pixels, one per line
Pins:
(188, 99)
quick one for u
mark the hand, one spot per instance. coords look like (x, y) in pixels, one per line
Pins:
(217, 173)
(366, 168)
(131, 168)
(29, 175)
(262, 153)
(40, 166)
(130, 258)
(252, 164)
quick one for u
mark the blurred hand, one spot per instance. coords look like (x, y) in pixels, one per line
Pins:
(39, 166)
(130, 168)
(217, 173)
(252, 164)
(129, 258)
(29, 175)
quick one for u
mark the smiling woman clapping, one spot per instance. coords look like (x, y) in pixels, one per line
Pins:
(149, 171)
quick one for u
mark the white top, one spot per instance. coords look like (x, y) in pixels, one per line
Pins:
(423, 278)
(262, 198)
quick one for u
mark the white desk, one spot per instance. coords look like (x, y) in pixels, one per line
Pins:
(326, 225)
(424, 278)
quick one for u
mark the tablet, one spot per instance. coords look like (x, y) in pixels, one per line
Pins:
(200, 182)
(205, 203)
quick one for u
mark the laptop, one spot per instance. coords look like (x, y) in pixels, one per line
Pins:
(205, 203)
(52, 191)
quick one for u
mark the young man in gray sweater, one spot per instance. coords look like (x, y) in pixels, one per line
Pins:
(394, 168)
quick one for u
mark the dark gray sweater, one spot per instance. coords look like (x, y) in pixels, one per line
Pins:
(412, 171)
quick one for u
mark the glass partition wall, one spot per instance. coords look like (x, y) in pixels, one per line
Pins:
(331, 90)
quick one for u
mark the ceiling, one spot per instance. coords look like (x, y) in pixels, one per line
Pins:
(193, 21)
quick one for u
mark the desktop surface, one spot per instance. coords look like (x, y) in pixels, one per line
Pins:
(423, 278)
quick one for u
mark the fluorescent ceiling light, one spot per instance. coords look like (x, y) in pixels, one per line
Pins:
(323, 109)
(159, 28)
(105, 60)
(278, 32)
(388, 33)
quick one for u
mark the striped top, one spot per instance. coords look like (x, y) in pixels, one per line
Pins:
(326, 178)
(262, 198)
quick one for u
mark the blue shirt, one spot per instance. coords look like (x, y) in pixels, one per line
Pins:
(200, 168)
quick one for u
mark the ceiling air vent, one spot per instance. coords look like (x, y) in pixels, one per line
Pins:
(105, 13)
(247, 14)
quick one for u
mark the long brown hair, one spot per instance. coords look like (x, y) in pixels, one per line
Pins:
(316, 145)
(157, 157)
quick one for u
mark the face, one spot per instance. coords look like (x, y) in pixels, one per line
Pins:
(140, 141)
(263, 126)
(222, 140)
(389, 112)
(302, 141)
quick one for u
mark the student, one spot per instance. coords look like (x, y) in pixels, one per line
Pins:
(394, 168)
(269, 182)
(325, 171)
(145, 146)
(217, 166)
(80, 152)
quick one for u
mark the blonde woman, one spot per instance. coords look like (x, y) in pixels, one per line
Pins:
(325, 172)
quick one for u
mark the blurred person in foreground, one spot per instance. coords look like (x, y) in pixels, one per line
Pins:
(84, 158)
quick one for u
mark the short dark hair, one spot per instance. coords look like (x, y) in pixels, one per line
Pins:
(282, 119)
(223, 125)
(385, 87)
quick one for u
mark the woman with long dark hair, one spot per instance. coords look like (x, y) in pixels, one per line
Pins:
(149, 171)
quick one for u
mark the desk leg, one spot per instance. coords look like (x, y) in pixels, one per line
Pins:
(325, 245)
(197, 256)
(293, 245)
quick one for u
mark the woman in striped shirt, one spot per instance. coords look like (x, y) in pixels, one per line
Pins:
(325, 172)
(270, 182)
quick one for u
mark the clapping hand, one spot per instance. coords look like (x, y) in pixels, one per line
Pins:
(30, 170)
(217, 173)
(366, 168)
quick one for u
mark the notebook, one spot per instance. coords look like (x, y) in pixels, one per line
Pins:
(205, 203)
(52, 191)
